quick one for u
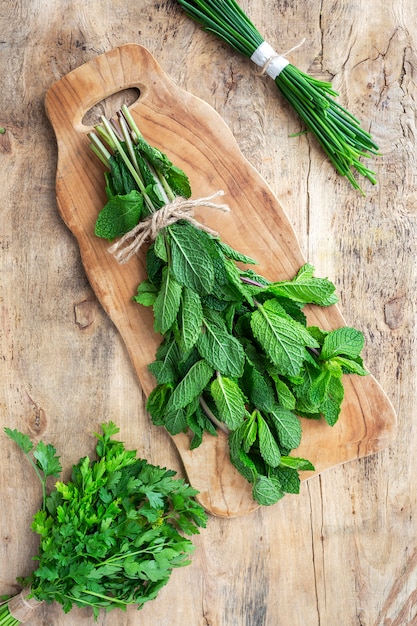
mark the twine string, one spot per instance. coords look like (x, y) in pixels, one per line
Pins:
(148, 229)
(274, 57)
(21, 607)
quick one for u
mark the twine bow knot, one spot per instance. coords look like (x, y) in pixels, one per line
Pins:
(148, 229)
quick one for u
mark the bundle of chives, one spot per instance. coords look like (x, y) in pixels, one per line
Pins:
(338, 131)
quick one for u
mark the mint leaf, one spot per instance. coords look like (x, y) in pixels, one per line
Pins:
(146, 293)
(285, 396)
(319, 388)
(191, 318)
(267, 491)
(268, 446)
(296, 463)
(160, 246)
(351, 367)
(167, 303)
(165, 367)
(191, 386)
(230, 401)
(178, 181)
(306, 288)
(287, 426)
(192, 263)
(157, 402)
(119, 181)
(331, 405)
(289, 479)
(242, 461)
(258, 388)
(176, 421)
(221, 350)
(119, 215)
(233, 254)
(343, 341)
(249, 432)
(283, 339)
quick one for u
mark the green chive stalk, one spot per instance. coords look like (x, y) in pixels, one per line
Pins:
(338, 132)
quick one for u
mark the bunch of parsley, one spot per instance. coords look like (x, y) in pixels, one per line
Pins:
(237, 353)
(111, 536)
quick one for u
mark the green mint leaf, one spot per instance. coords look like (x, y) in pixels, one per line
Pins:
(22, 440)
(249, 432)
(289, 479)
(178, 181)
(229, 400)
(167, 303)
(268, 446)
(157, 402)
(47, 460)
(258, 388)
(267, 490)
(165, 367)
(234, 276)
(119, 215)
(146, 293)
(119, 178)
(154, 266)
(306, 288)
(287, 426)
(331, 405)
(242, 462)
(191, 386)
(351, 367)
(285, 396)
(152, 155)
(234, 255)
(176, 421)
(296, 463)
(192, 263)
(283, 339)
(223, 351)
(160, 246)
(319, 388)
(343, 341)
(191, 318)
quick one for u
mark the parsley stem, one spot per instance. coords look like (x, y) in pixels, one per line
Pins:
(42, 479)
(6, 619)
(97, 595)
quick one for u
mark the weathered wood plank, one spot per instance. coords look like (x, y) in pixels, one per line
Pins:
(344, 547)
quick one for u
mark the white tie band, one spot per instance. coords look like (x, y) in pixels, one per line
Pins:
(271, 62)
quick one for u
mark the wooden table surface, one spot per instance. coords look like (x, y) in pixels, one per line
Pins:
(344, 551)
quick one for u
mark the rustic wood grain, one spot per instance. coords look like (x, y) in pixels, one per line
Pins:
(344, 550)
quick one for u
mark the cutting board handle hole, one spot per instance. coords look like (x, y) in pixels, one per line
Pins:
(110, 105)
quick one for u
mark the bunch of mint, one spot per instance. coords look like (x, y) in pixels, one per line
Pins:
(237, 352)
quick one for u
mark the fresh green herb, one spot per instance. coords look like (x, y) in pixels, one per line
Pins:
(111, 536)
(338, 131)
(237, 352)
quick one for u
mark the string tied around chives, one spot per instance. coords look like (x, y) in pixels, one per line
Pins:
(270, 62)
(148, 229)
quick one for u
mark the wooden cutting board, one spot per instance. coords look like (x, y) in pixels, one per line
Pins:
(196, 139)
